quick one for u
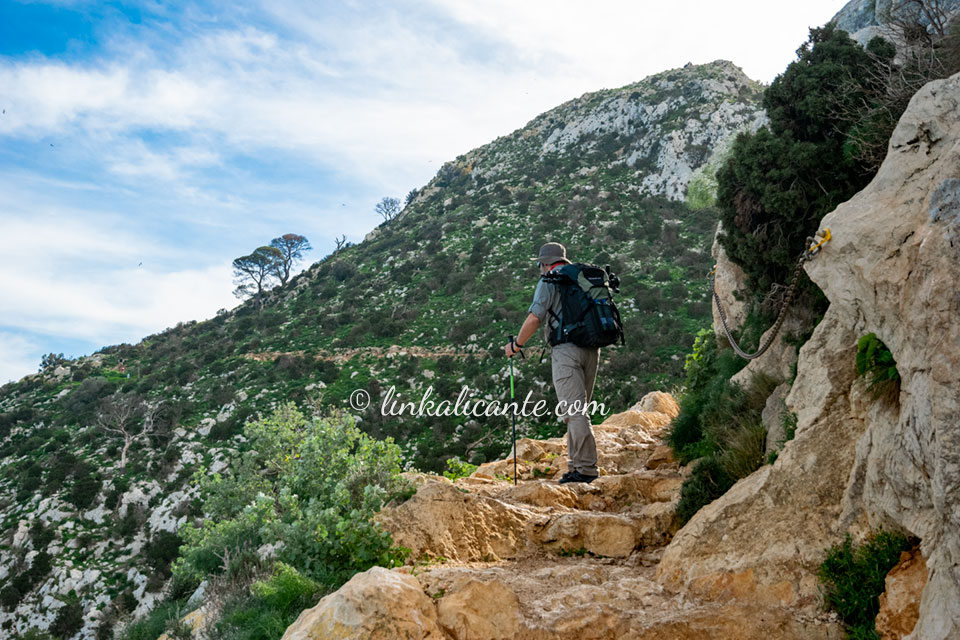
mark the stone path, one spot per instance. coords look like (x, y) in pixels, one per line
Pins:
(544, 560)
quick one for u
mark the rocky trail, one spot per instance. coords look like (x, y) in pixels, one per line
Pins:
(544, 560)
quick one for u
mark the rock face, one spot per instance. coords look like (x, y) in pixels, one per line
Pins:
(858, 463)
(669, 122)
(893, 270)
(546, 561)
(765, 537)
(729, 279)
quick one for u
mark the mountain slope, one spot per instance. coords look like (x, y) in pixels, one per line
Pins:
(426, 300)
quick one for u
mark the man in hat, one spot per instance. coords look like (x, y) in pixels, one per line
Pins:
(574, 368)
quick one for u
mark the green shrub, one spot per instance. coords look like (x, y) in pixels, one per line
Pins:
(69, 618)
(874, 360)
(780, 181)
(312, 485)
(457, 468)
(708, 399)
(154, 623)
(85, 489)
(82, 401)
(708, 482)
(10, 597)
(161, 551)
(719, 422)
(852, 579)
(270, 606)
(40, 535)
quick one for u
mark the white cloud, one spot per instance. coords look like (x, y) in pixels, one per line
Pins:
(18, 356)
(111, 306)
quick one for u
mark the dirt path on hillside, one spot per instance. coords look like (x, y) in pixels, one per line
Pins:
(342, 355)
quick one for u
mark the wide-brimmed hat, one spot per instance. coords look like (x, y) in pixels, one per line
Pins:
(552, 252)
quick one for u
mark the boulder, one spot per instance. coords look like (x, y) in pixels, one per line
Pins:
(481, 610)
(658, 402)
(441, 520)
(377, 604)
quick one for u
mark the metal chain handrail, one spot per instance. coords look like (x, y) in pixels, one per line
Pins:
(791, 291)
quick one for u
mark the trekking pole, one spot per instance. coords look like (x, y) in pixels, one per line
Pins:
(513, 414)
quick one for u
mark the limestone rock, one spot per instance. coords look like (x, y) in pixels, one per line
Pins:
(658, 402)
(582, 598)
(858, 463)
(893, 267)
(900, 601)
(374, 605)
(763, 540)
(728, 280)
(772, 418)
(440, 520)
(660, 456)
(481, 610)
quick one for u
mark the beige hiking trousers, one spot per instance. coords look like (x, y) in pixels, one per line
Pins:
(574, 374)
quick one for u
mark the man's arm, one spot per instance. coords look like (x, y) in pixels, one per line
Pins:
(526, 332)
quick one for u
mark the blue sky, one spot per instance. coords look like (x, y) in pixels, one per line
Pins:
(144, 145)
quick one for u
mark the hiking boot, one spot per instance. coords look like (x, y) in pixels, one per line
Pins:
(576, 476)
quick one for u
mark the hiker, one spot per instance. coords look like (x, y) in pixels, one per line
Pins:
(574, 368)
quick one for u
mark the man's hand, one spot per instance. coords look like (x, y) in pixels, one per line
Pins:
(526, 332)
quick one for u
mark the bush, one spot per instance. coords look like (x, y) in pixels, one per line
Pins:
(293, 366)
(309, 485)
(154, 623)
(708, 482)
(85, 489)
(270, 606)
(10, 597)
(457, 468)
(719, 422)
(161, 551)
(853, 578)
(69, 618)
(874, 360)
(83, 400)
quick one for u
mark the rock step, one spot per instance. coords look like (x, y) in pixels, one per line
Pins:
(444, 521)
(484, 517)
(558, 599)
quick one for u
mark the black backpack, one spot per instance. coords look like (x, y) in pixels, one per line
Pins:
(589, 318)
